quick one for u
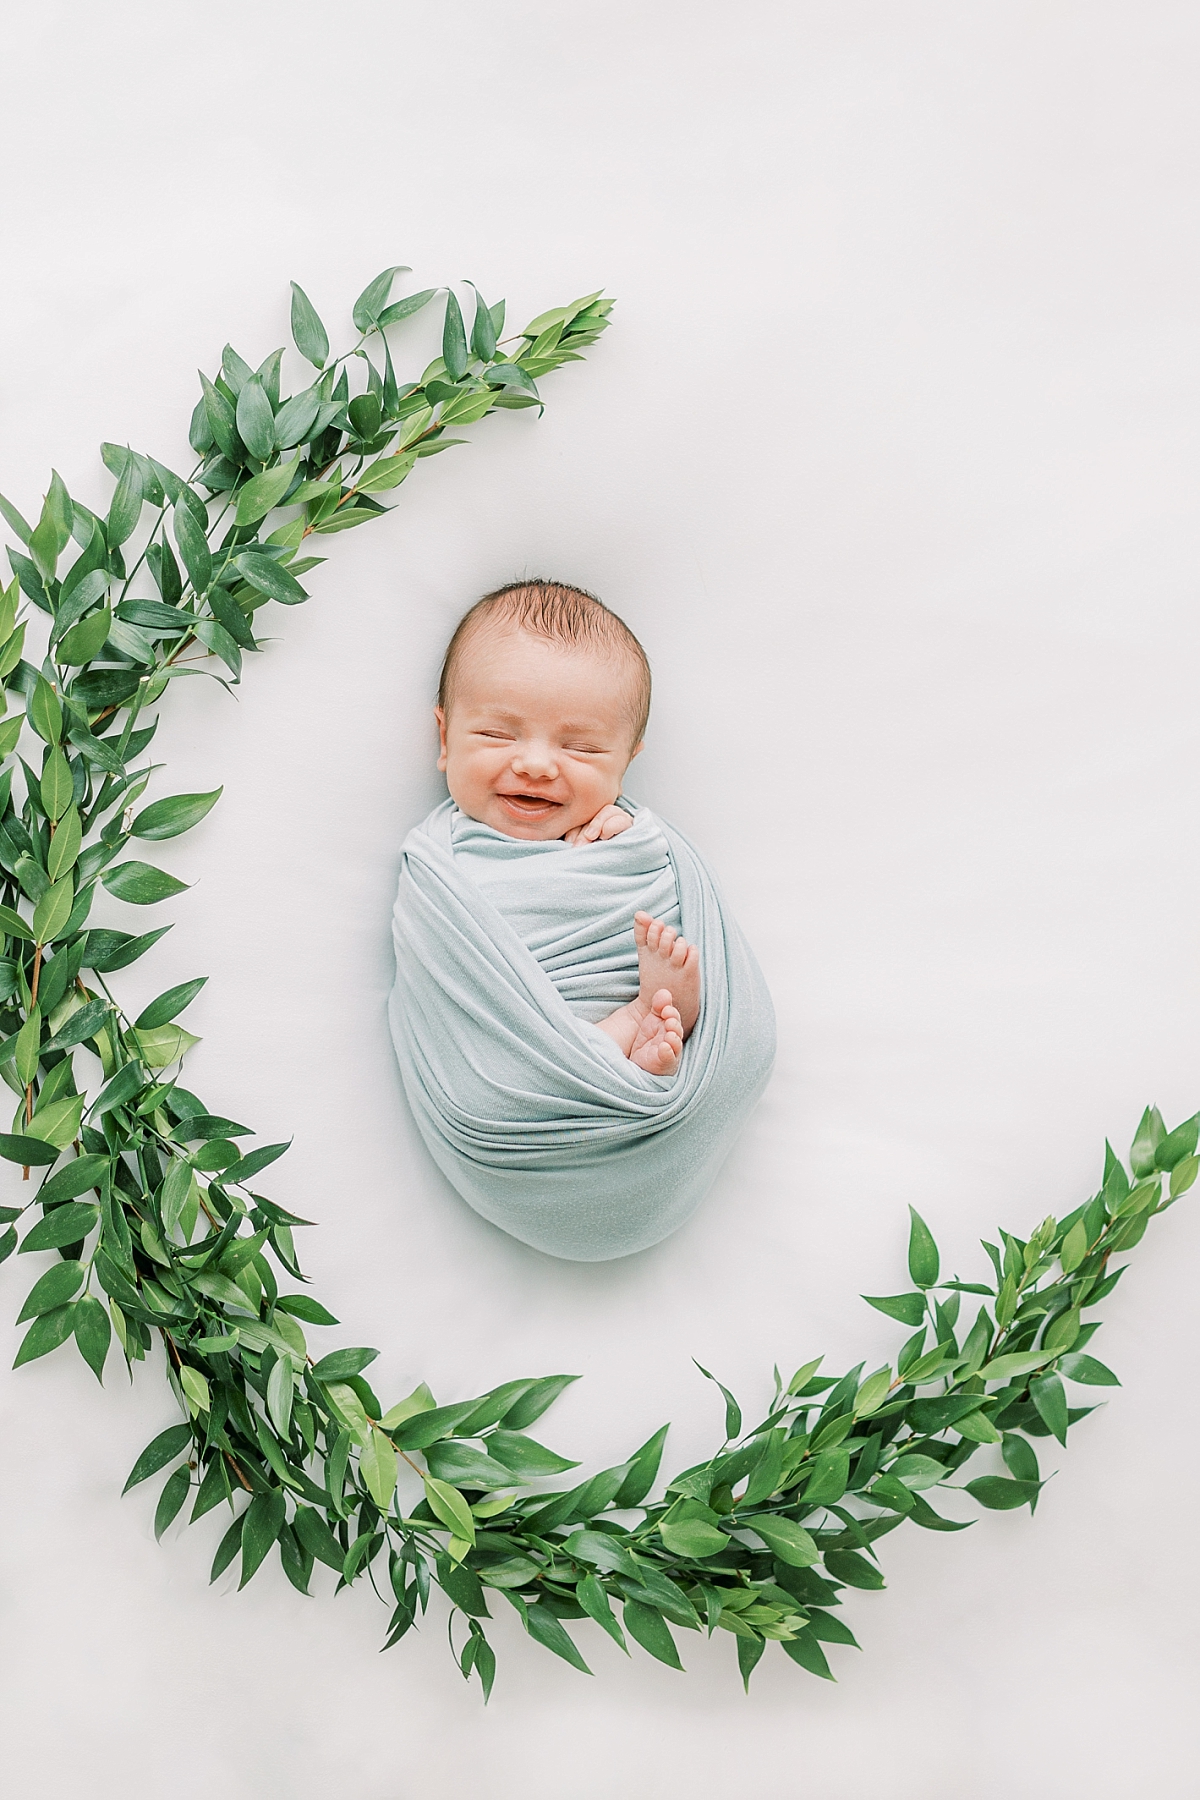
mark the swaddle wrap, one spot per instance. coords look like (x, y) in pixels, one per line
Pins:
(506, 950)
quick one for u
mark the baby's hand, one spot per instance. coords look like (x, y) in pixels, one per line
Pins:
(609, 822)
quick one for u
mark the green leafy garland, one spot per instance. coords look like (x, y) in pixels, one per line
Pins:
(154, 1206)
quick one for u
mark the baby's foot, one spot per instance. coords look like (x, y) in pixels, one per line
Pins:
(659, 1041)
(667, 960)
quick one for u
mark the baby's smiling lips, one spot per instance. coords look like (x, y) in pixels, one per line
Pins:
(529, 806)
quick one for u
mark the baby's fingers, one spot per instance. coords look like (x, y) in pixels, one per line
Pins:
(613, 821)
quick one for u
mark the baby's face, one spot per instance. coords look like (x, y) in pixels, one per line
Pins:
(536, 739)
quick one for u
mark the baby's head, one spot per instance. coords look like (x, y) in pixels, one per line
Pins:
(542, 706)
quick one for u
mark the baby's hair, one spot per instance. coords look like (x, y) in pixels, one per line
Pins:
(565, 615)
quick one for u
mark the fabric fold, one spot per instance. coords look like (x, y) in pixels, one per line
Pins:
(506, 952)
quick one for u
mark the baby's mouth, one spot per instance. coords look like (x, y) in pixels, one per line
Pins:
(530, 806)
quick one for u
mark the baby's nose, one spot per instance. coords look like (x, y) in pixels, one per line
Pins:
(536, 760)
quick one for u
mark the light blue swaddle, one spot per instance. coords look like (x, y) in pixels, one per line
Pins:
(506, 951)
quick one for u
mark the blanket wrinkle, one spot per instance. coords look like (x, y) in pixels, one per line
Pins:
(507, 952)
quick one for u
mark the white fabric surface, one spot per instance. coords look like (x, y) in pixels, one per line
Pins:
(891, 459)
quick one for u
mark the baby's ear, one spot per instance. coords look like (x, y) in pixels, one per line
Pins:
(637, 749)
(439, 714)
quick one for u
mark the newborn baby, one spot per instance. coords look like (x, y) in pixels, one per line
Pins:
(542, 707)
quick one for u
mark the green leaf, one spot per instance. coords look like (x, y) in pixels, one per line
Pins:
(978, 1428)
(540, 1395)
(341, 1365)
(174, 815)
(164, 1045)
(302, 1306)
(917, 1471)
(281, 1392)
(1151, 1132)
(295, 420)
(308, 333)
(158, 1453)
(84, 641)
(220, 419)
(53, 910)
(46, 1334)
(193, 548)
(524, 1457)
(643, 1470)
(126, 507)
(1049, 1397)
(923, 1261)
(13, 925)
(173, 1195)
(690, 1537)
(1183, 1175)
(733, 1412)
(261, 1525)
(68, 1224)
(270, 578)
(789, 1541)
(262, 492)
(404, 309)
(454, 340)
(387, 473)
(852, 1568)
(255, 420)
(449, 1506)
(1000, 1494)
(648, 1628)
(1074, 1247)
(10, 731)
(827, 1483)
(29, 1151)
(377, 1466)
(14, 519)
(595, 1602)
(93, 1333)
(57, 1121)
(1003, 1368)
(228, 1548)
(909, 1309)
(45, 712)
(139, 883)
(1178, 1143)
(169, 1004)
(1062, 1331)
(483, 332)
(79, 596)
(1077, 1367)
(78, 1176)
(57, 785)
(65, 844)
(872, 1394)
(28, 1046)
(52, 533)
(806, 1651)
(110, 950)
(373, 299)
(317, 1538)
(174, 1493)
(53, 1289)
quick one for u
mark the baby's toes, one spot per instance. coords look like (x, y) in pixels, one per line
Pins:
(641, 924)
(680, 952)
(666, 942)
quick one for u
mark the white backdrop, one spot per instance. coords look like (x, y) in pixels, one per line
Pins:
(891, 459)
